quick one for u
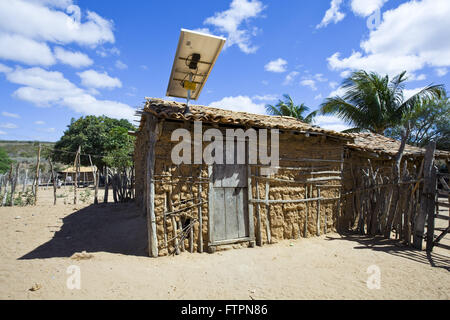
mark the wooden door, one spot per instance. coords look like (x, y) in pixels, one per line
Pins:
(229, 212)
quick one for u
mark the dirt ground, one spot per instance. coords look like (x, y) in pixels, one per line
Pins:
(36, 244)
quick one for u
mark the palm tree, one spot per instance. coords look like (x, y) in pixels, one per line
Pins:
(375, 103)
(288, 108)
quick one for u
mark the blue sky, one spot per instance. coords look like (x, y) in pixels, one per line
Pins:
(68, 58)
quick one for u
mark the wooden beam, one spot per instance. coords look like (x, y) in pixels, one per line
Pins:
(251, 226)
(200, 214)
(258, 215)
(269, 234)
(153, 127)
(426, 201)
(211, 248)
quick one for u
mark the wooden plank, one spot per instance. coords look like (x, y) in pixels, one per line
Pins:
(269, 235)
(219, 215)
(440, 216)
(153, 129)
(443, 204)
(210, 205)
(318, 212)
(426, 199)
(305, 231)
(251, 227)
(230, 241)
(258, 216)
(231, 214)
(200, 214)
(242, 216)
(293, 201)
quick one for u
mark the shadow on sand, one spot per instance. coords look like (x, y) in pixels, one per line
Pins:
(114, 228)
(393, 247)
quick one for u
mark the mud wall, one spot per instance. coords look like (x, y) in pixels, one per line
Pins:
(177, 187)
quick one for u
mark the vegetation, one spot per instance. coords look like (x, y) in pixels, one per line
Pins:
(287, 107)
(5, 161)
(375, 103)
(120, 146)
(429, 120)
(23, 151)
(99, 136)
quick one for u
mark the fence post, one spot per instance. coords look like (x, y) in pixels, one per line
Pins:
(37, 175)
(431, 210)
(427, 199)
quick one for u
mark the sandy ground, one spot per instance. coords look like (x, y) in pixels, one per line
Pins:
(36, 244)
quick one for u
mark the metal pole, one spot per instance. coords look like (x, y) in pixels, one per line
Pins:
(187, 111)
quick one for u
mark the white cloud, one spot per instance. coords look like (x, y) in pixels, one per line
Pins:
(339, 92)
(4, 69)
(266, 97)
(332, 15)
(144, 67)
(239, 103)
(21, 49)
(47, 130)
(94, 79)
(105, 52)
(47, 88)
(2, 132)
(331, 122)
(8, 126)
(62, 4)
(333, 84)
(74, 59)
(318, 97)
(290, 78)
(364, 8)
(309, 83)
(39, 122)
(409, 38)
(34, 20)
(120, 65)
(230, 22)
(441, 72)
(277, 66)
(319, 77)
(10, 115)
(345, 73)
(408, 93)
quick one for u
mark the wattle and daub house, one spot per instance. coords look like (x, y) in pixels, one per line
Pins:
(195, 202)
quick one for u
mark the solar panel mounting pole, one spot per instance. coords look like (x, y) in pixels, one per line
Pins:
(187, 111)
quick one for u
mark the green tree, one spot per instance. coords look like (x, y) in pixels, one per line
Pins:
(286, 107)
(375, 103)
(94, 135)
(120, 149)
(429, 121)
(5, 161)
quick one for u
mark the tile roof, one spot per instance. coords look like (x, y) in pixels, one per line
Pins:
(373, 142)
(369, 142)
(175, 110)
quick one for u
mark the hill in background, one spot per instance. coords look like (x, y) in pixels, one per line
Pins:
(23, 151)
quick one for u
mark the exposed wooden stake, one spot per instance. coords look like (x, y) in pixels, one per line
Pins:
(427, 199)
(200, 214)
(152, 129)
(54, 180)
(37, 175)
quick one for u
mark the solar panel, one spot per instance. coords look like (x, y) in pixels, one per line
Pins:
(194, 59)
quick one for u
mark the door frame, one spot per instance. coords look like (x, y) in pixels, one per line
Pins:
(251, 238)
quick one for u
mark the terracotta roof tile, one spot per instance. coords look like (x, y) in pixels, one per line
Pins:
(175, 110)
